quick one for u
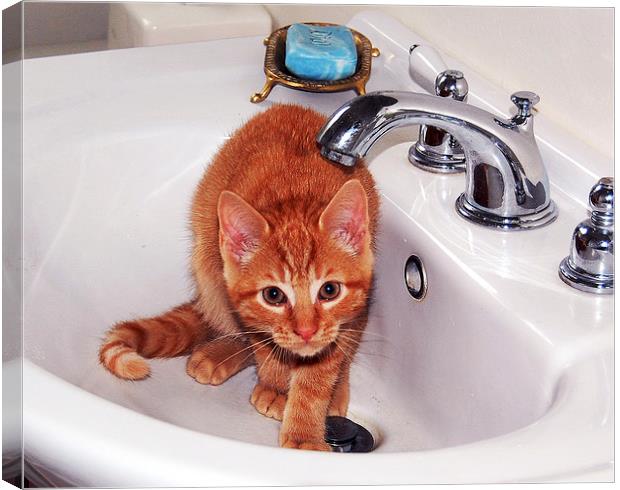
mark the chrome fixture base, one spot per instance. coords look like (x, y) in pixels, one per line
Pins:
(514, 223)
(434, 162)
(583, 281)
(436, 150)
(590, 263)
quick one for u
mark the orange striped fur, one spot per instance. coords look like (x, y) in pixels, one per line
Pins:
(128, 344)
(269, 213)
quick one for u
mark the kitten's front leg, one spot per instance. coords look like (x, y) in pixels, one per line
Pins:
(269, 394)
(340, 399)
(350, 339)
(310, 393)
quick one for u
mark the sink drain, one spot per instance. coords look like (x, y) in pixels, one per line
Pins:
(345, 436)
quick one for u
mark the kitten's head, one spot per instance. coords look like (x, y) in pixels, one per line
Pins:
(301, 283)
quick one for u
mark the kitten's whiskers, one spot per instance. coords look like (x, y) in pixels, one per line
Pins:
(242, 350)
(265, 363)
(236, 335)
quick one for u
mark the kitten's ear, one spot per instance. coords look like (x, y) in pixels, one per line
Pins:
(241, 227)
(346, 217)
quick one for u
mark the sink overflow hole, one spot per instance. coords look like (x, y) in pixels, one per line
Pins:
(415, 278)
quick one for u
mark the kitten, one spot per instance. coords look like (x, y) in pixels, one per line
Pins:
(282, 261)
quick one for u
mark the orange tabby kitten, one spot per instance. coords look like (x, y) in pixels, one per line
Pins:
(282, 260)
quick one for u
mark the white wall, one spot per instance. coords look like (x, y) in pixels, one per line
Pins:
(563, 54)
(64, 22)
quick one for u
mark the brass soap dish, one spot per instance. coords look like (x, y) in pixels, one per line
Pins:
(276, 72)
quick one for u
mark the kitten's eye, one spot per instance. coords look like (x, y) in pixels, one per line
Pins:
(329, 291)
(274, 296)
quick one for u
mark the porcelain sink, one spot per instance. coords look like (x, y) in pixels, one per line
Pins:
(501, 373)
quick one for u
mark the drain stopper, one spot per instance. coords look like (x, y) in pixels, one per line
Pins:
(345, 436)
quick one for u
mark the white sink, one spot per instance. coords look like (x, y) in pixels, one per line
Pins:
(501, 374)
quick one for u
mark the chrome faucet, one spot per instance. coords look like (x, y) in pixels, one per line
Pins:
(590, 264)
(435, 150)
(506, 182)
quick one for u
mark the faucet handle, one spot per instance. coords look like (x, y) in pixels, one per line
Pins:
(524, 101)
(590, 264)
(451, 83)
(602, 200)
(424, 65)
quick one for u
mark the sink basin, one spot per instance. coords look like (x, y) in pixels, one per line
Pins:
(501, 373)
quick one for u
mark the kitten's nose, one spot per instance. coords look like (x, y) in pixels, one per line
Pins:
(306, 331)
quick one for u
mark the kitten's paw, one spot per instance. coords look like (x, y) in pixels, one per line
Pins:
(288, 440)
(209, 371)
(268, 401)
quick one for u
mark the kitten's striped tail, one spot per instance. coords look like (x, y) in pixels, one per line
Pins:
(127, 344)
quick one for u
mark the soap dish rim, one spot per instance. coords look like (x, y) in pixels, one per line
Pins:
(276, 76)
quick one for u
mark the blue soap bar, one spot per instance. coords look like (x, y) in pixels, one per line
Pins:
(320, 52)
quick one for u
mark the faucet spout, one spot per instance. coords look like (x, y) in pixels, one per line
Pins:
(506, 184)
